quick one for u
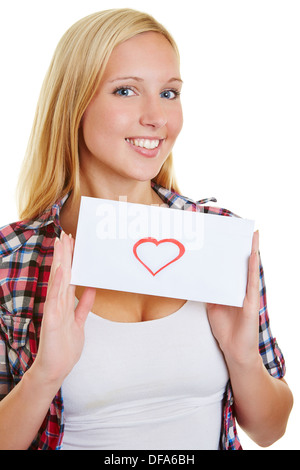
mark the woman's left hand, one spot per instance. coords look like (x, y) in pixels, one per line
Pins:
(236, 328)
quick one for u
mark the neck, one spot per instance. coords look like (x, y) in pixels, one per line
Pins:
(116, 189)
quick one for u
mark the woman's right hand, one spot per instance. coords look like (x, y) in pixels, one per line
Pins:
(62, 330)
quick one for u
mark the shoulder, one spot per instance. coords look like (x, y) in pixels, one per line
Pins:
(177, 201)
(20, 237)
(208, 209)
(12, 237)
(31, 234)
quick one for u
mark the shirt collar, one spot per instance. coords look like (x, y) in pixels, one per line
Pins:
(51, 215)
(176, 201)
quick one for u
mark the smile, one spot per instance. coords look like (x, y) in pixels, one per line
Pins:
(144, 143)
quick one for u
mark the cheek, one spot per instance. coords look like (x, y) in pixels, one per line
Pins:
(102, 126)
(176, 122)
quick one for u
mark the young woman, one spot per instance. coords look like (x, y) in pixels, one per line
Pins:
(98, 369)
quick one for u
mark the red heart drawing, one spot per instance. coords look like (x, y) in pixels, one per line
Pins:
(156, 242)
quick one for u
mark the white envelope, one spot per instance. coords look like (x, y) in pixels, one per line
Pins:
(162, 251)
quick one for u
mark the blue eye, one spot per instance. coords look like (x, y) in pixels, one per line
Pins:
(170, 94)
(123, 91)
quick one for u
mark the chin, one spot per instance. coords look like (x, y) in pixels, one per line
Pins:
(147, 174)
(145, 178)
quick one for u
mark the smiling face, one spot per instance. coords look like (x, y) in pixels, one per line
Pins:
(132, 122)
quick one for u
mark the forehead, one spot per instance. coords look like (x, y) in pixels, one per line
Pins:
(144, 52)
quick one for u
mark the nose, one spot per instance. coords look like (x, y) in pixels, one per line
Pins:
(153, 114)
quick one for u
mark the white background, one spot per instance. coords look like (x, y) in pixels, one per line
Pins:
(240, 142)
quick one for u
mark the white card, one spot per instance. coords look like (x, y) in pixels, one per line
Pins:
(162, 251)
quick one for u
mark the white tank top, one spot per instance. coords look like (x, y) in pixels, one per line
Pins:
(149, 385)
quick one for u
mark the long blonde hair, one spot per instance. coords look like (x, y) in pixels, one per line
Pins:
(51, 165)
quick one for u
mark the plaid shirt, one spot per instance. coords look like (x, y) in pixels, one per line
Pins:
(26, 251)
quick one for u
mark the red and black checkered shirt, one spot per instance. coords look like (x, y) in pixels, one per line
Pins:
(26, 252)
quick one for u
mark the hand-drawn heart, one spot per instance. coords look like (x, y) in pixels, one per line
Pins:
(156, 242)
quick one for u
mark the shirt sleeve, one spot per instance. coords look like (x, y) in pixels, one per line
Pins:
(6, 380)
(269, 350)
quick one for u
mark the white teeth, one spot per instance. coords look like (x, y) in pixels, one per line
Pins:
(144, 143)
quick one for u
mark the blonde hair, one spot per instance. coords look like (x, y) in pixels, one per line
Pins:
(51, 165)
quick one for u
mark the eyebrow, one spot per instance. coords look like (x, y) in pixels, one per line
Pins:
(138, 79)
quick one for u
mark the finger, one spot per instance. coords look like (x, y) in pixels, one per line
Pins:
(66, 261)
(85, 304)
(67, 249)
(53, 290)
(72, 245)
(255, 241)
(57, 258)
(252, 293)
(67, 291)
